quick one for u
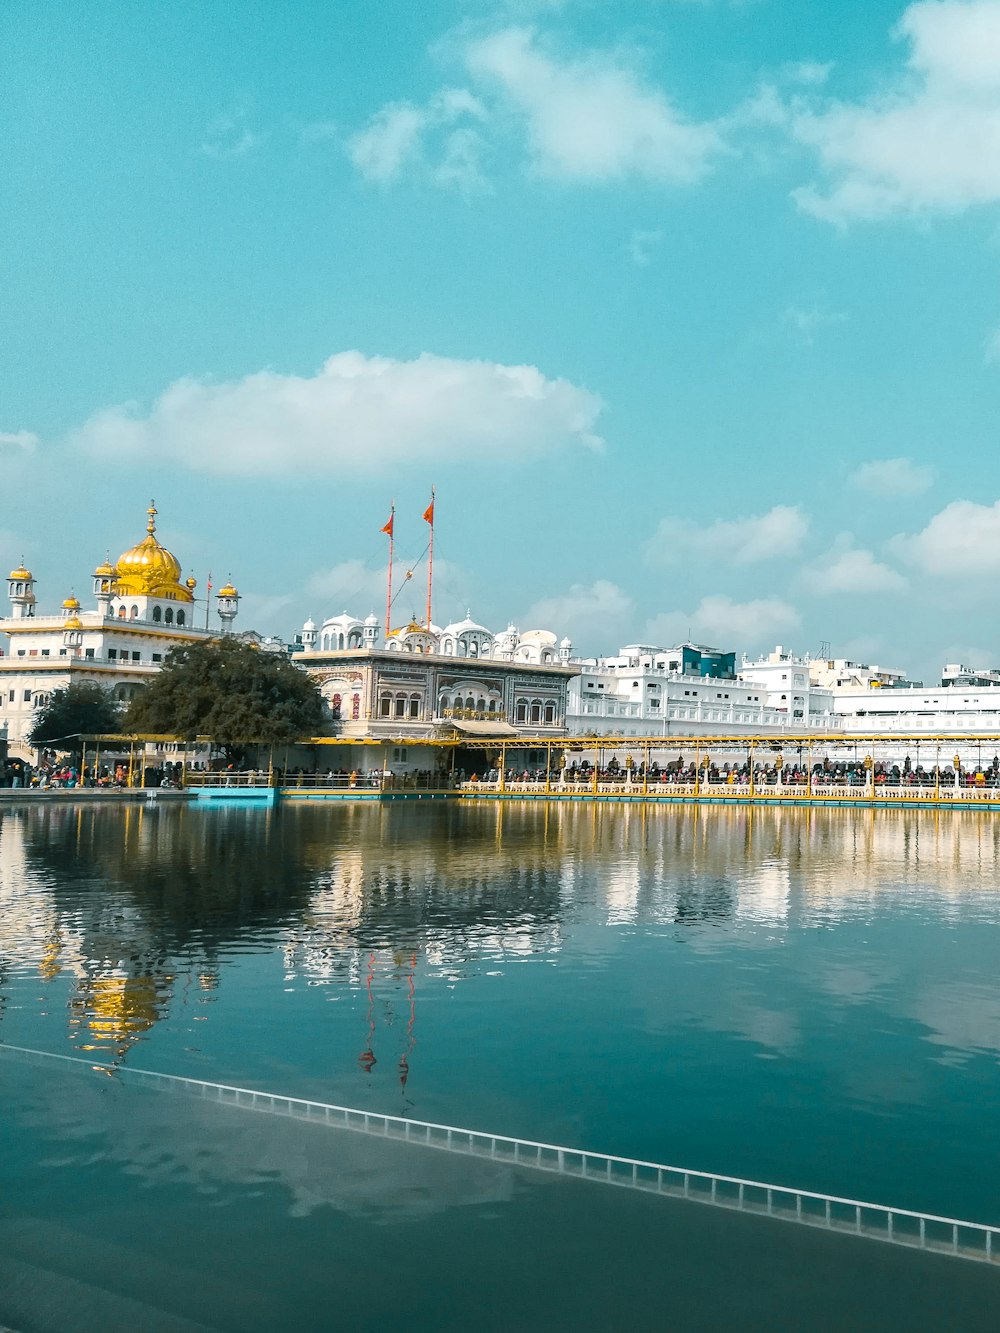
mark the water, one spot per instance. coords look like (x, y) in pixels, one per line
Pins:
(807, 997)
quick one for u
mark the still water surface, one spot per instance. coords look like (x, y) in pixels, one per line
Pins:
(806, 997)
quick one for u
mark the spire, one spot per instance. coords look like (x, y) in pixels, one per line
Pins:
(151, 524)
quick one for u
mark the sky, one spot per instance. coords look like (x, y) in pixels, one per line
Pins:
(688, 310)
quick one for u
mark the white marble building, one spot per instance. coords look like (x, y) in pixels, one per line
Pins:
(640, 691)
(142, 609)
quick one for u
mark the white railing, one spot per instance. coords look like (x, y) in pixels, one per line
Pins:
(874, 1221)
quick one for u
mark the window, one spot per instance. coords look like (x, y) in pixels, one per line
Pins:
(157, 615)
(157, 657)
(168, 616)
(121, 613)
(385, 706)
(400, 705)
(112, 654)
(536, 711)
(180, 617)
(20, 652)
(521, 711)
(88, 652)
(134, 613)
(10, 697)
(45, 652)
(27, 696)
(399, 754)
(550, 714)
(136, 657)
(414, 705)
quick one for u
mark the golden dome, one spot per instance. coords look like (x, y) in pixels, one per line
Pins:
(227, 590)
(20, 573)
(71, 604)
(105, 571)
(74, 622)
(150, 570)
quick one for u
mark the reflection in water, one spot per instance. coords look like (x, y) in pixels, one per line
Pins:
(803, 995)
(137, 905)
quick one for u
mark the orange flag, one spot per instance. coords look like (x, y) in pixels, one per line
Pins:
(429, 514)
(389, 526)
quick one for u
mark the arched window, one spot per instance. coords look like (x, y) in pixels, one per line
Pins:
(180, 617)
(121, 613)
(480, 705)
(536, 711)
(157, 614)
(400, 705)
(385, 705)
(414, 705)
(134, 613)
(550, 714)
(168, 615)
(521, 710)
(493, 705)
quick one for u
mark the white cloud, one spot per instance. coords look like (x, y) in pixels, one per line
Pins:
(928, 143)
(851, 569)
(809, 73)
(591, 119)
(357, 414)
(389, 142)
(893, 476)
(599, 613)
(641, 246)
(807, 321)
(402, 135)
(355, 587)
(18, 442)
(781, 531)
(961, 541)
(720, 620)
(227, 136)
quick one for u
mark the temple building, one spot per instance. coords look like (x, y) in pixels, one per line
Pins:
(142, 608)
(421, 682)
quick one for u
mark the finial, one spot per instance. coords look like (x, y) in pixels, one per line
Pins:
(151, 511)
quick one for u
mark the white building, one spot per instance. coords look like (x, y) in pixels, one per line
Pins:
(642, 691)
(142, 609)
(463, 638)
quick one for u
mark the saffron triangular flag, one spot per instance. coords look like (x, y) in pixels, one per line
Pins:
(429, 514)
(389, 526)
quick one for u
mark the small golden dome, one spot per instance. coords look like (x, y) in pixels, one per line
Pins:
(71, 604)
(105, 570)
(20, 573)
(227, 590)
(74, 622)
(191, 584)
(149, 569)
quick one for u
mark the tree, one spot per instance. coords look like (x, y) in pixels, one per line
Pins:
(83, 708)
(228, 690)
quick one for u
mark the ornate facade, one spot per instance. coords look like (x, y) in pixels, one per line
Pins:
(143, 608)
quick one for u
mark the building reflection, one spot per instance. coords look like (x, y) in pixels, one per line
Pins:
(137, 910)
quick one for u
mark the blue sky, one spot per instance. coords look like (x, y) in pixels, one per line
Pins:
(689, 309)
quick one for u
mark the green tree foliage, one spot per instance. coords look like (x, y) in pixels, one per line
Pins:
(230, 691)
(83, 708)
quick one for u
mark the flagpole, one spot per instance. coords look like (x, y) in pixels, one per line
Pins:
(390, 527)
(429, 515)
(208, 599)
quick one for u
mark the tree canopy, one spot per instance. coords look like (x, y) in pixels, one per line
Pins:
(81, 708)
(226, 689)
